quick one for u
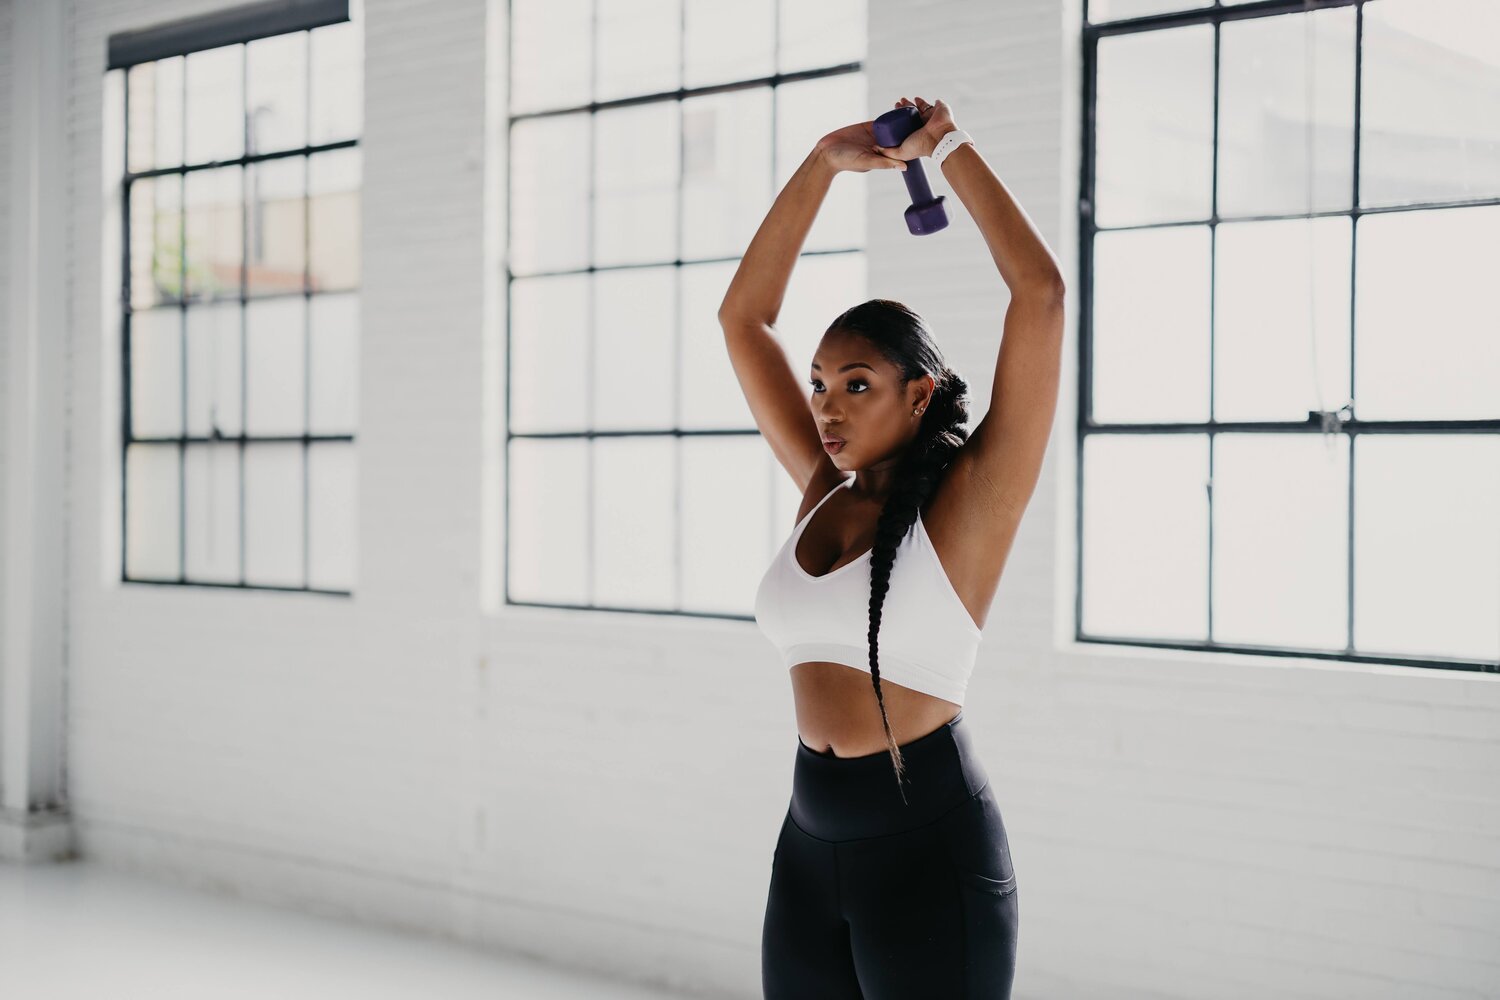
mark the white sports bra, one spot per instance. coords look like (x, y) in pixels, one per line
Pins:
(928, 639)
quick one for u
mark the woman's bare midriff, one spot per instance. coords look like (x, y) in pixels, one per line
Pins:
(837, 711)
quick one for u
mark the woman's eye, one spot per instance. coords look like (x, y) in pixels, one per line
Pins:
(815, 383)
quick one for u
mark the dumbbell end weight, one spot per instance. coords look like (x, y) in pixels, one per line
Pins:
(892, 128)
(922, 220)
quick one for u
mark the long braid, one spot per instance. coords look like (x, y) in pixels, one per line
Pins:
(939, 437)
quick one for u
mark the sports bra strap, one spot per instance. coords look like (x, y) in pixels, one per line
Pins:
(808, 516)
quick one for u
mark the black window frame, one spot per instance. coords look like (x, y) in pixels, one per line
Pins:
(593, 107)
(231, 26)
(1342, 420)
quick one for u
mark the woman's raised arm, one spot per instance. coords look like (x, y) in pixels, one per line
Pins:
(759, 286)
(774, 392)
(1007, 447)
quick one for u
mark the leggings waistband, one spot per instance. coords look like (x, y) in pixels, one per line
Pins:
(847, 798)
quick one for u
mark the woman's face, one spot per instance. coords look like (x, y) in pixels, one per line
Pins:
(858, 397)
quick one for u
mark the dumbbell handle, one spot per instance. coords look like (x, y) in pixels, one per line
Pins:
(916, 182)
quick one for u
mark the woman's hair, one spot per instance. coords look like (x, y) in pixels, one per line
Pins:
(902, 338)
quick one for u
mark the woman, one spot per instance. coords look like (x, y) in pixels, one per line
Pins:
(884, 888)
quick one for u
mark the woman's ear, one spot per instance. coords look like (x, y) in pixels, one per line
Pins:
(921, 400)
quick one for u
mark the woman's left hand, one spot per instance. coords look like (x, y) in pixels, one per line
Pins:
(937, 121)
(853, 148)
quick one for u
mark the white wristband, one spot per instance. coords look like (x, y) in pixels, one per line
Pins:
(957, 137)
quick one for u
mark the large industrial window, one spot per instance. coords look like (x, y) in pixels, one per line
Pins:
(646, 145)
(240, 306)
(1289, 379)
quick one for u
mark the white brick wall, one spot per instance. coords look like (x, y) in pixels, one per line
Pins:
(6, 16)
(605, 789)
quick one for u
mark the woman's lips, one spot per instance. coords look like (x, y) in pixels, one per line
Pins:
(833, 445)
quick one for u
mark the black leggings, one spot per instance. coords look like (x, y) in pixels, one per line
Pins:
(878, 899)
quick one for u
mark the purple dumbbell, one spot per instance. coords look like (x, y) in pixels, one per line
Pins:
(925, 214)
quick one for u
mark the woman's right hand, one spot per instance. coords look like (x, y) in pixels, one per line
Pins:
(853, 148)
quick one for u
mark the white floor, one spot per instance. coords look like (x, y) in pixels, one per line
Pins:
(79, 931)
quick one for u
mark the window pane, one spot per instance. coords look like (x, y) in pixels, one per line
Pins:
(547, 535)
(333, 349)
(727, 42)
(215, 237)
(551, 47)
(827, 33)
(275, 374)
(1116, 10)
(337, 54)
(723, 483)
(1429, 126)
(709, 389)
(156, 373)
(822, 287)
(333, 237)
(635, 338)
(215, 104)
(549, 193)
(1281, 327)
(805, 112)
(1154, 126)
(1281, 539)
(1427, 544)
(1145, 536)
(635, 522)
(113, 158)
(152, 512)
(550, 353)
(636, 180)
(638, 47)
(726, 171)
(214, 350)
(212, 515)
(154, 132)
(1426, 344)
(333, 516)
(276, 105)
(277, 226)
(1151, 315)
(1286, 131)
(155, 240)
(273, 514)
